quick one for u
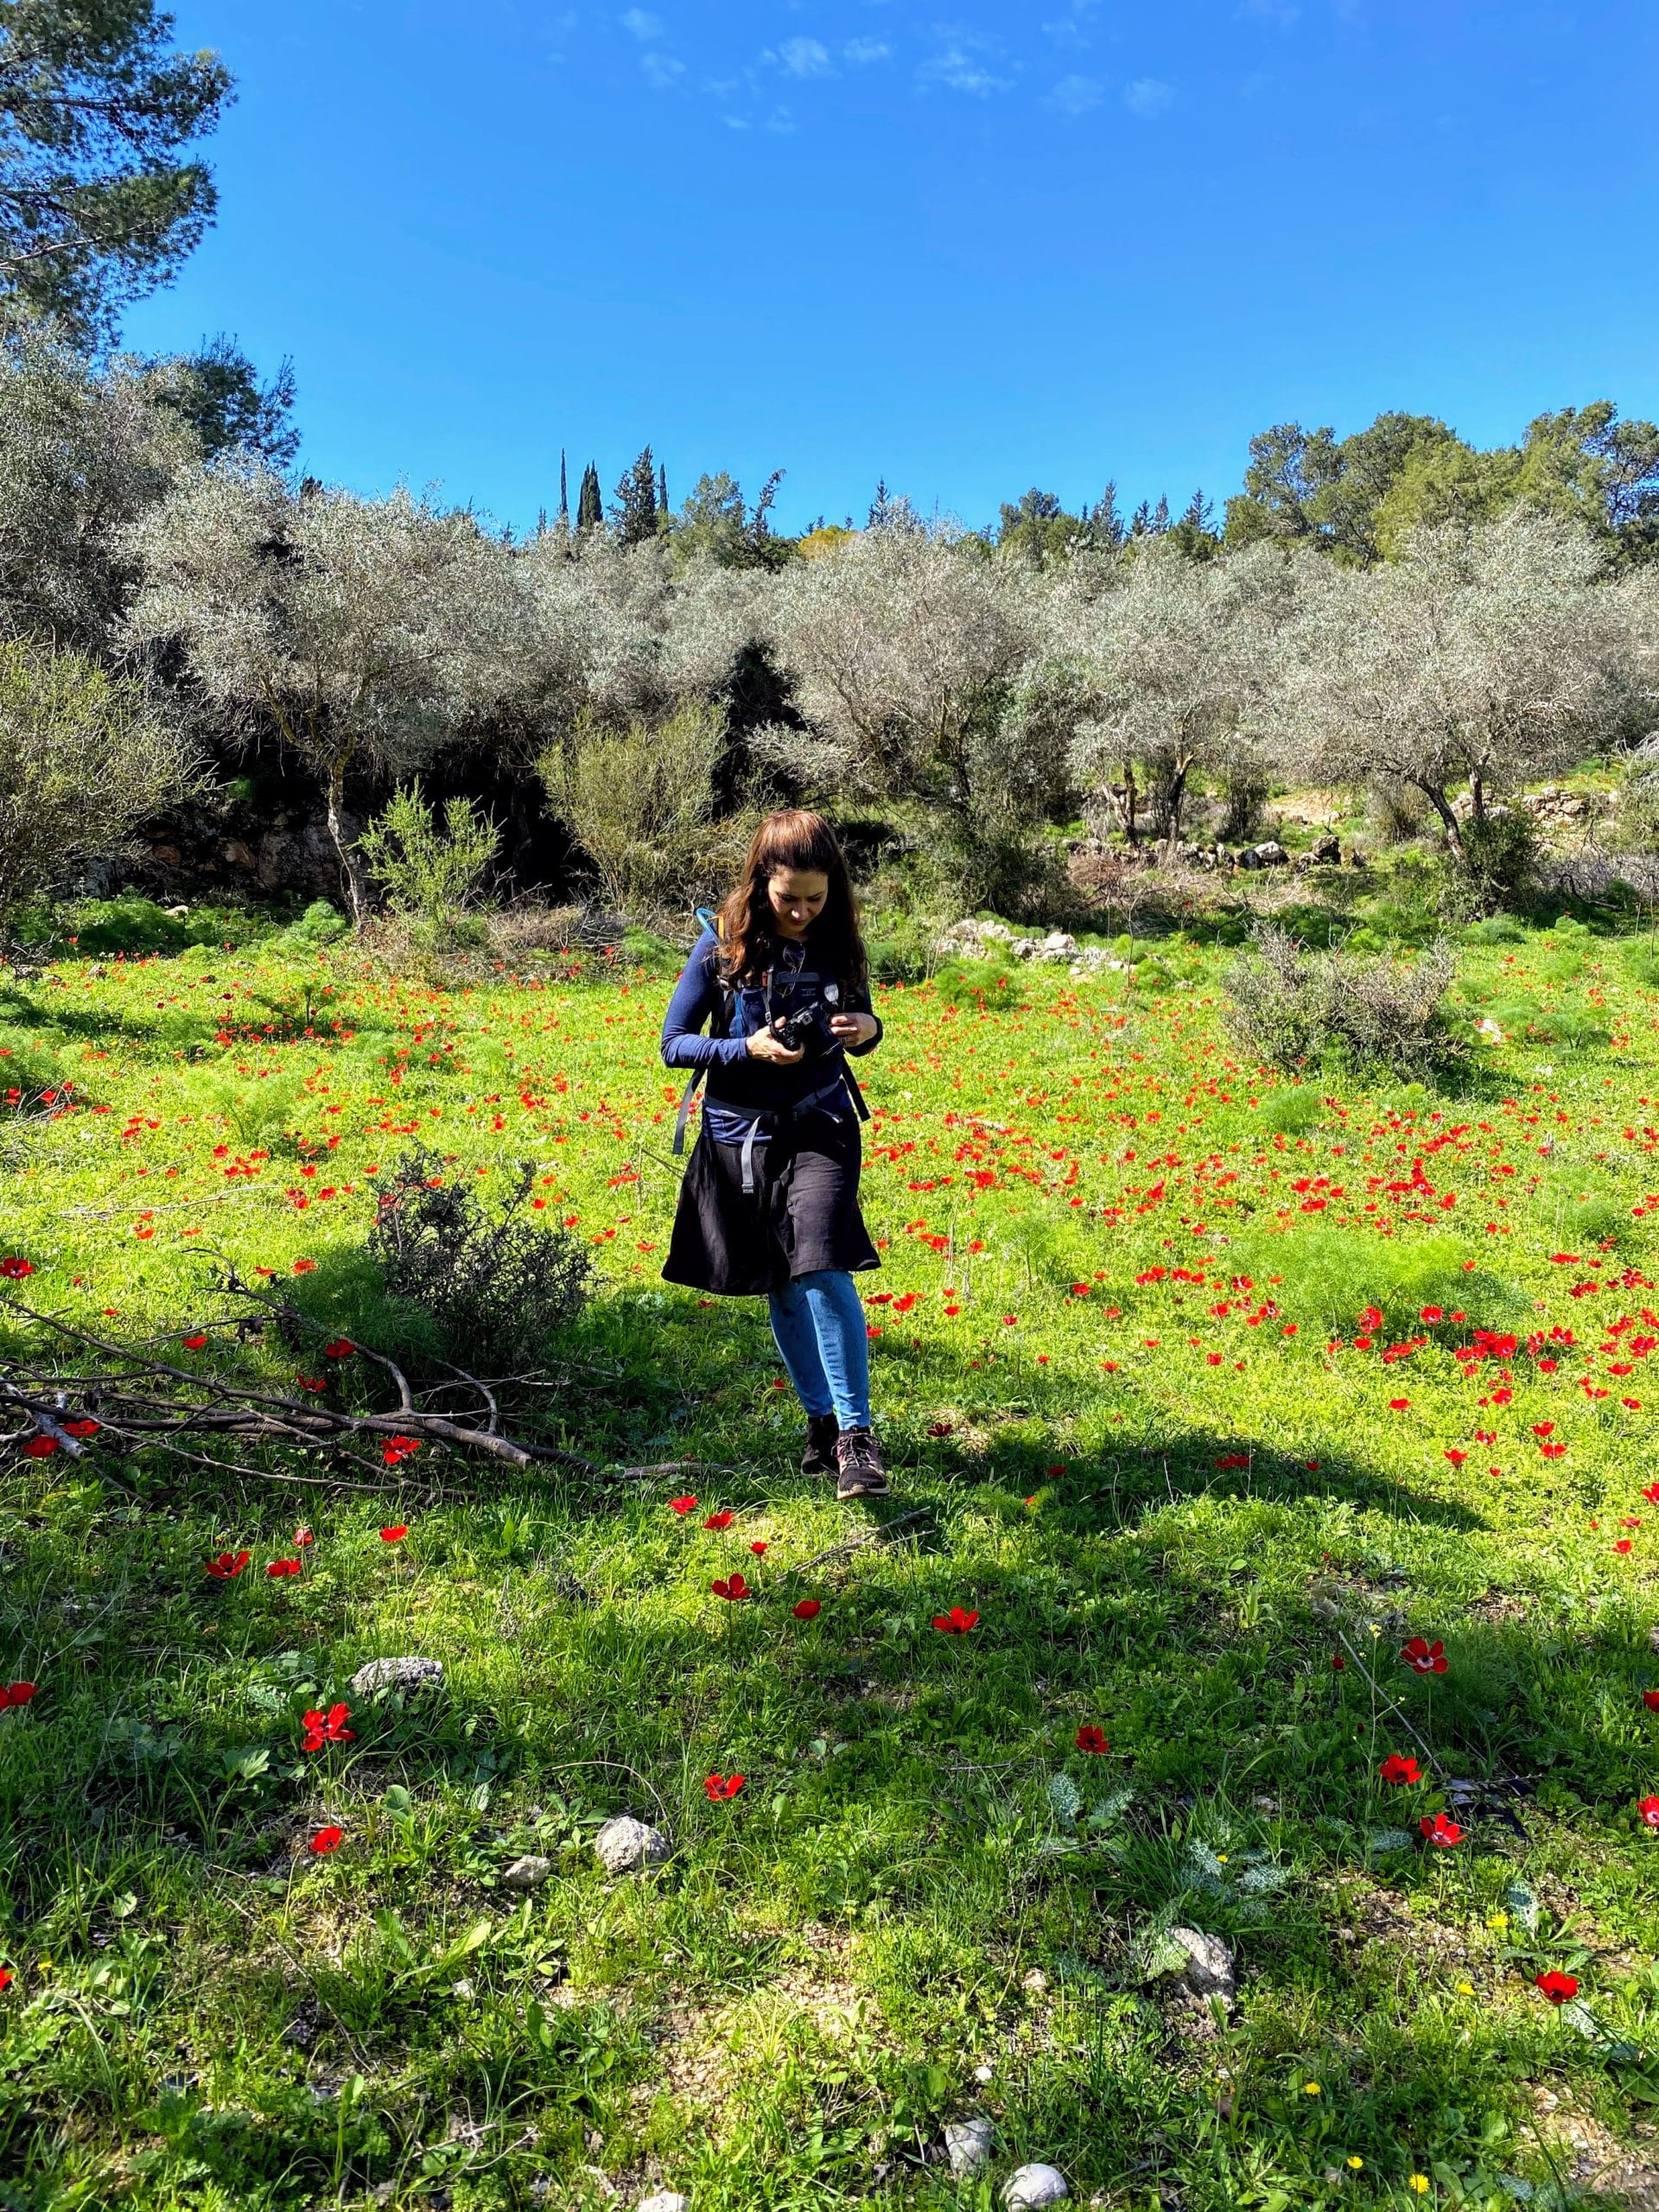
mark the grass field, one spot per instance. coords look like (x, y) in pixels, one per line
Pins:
(1206, 1390)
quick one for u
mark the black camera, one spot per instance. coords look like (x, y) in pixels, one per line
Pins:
(806, 1028)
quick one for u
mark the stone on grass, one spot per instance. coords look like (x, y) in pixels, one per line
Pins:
(666, 2200)
(528, 1872)
(1032, 2186)
(628, 1846)
(397, 1674)
(1209, 1968)
(968, 2146)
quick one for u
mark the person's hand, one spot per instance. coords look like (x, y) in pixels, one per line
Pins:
(763, 1046)
(854, 1028)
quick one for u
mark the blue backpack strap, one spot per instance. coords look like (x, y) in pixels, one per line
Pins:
(723, 1021)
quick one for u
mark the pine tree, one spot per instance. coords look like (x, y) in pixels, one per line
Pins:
(590, 508)
(634, 508)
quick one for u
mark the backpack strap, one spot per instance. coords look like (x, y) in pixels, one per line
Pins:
(720, 1027)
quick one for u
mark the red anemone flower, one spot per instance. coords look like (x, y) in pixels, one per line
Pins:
(1397, 1769)
(1557, 1987)
(808, 1608)
(1439, 1831)
(279, 1567)
(682, 1505)
(395, 1535)
(195, 1344)
(1423, 1657)
(399, 1448)
(328, 1727)
(1092, 1739)
(721, 1786)
(342, 1348)
(226, 1565)
(720, 1520)
(1650, 1698)
(39, 1448)
(956, 1622)
(303, 1536)
(16, 1693)
(14, 1270)
(324, 1840)
(734, 1590)
(81, 1428)
(758, 1549)
(1649, 1808)
(5, 1978)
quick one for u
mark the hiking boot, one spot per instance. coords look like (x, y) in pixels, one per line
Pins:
(823, 1432)
(859, 1470)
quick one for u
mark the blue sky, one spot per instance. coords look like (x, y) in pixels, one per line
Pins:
(968, 250)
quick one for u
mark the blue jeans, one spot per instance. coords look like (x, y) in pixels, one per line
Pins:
(818, 1325)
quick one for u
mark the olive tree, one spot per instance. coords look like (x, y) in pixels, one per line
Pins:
(366, 632)
(83, 454)
(913, 659)
(1485, 655)
(1178, 656)
(84, 758)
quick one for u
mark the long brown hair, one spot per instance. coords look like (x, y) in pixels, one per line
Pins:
(798, 841)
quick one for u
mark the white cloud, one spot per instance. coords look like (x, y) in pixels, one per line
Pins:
(865, 50)
(781, 122)
(642, 23)
(662, 70)
(1077, 95)
(962, 71)
(804, 57)
(1147, 97)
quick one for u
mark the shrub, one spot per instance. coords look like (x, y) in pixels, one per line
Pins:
(498, 1285)
(320, 925)
(1499, 858)
(640, 802)
(1328, 1276)
(1291, 1007)
(1496, 929)
(84, 758)
(433, 877)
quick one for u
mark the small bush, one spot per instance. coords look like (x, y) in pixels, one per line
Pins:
(1500, 856)
(433, 877)
(319, 926)
(498, 1286)
(1329, 1276)
(1496, 929)
(1291, 1007)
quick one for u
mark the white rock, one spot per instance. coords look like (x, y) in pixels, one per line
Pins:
(1032, 2186)
(1209, 1968)
(968, 2146)
(666, 2200)
(1057, 945)
(628, 1846)
(528, 1872)
(397, 1674)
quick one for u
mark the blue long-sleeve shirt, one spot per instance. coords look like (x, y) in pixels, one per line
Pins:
(740, 1088)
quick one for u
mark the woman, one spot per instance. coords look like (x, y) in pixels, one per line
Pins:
(769, 1205)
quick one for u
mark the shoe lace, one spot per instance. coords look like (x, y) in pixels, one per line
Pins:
(859, 1454)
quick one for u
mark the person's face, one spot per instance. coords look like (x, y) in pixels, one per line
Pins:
(796, 897)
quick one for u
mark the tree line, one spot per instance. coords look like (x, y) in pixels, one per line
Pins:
(169, 598)
(1396, 609)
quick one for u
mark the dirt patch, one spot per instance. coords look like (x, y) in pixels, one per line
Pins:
(1593, 2156)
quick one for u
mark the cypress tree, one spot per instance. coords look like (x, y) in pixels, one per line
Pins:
(590, 511)
(634, 511)
(564, 491)
(662, 490)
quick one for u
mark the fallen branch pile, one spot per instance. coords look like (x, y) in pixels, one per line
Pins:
(131, 1395)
